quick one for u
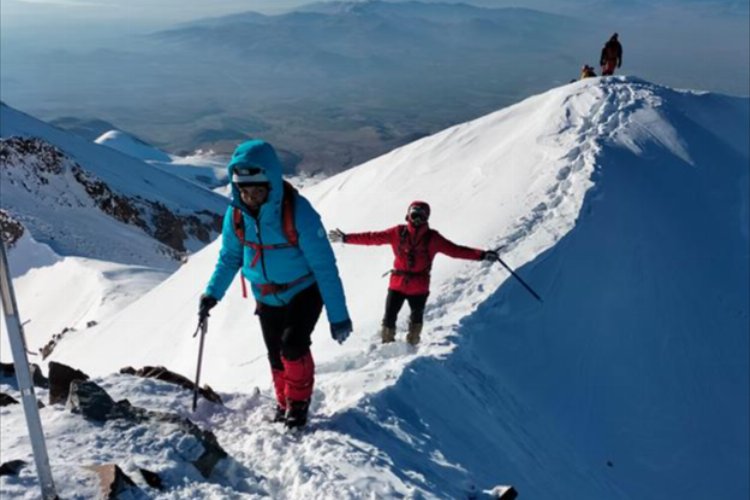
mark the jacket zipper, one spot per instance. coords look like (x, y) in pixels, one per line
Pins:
(262, 253)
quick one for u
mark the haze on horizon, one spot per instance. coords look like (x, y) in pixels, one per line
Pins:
(100, 59)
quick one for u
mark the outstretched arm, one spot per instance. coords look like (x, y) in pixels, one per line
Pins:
(447, 247)
(370, 238)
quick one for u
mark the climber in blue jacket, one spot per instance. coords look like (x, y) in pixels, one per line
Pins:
(275, 236)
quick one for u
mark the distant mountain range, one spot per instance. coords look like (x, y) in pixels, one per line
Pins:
(338, 83)
(334, 84)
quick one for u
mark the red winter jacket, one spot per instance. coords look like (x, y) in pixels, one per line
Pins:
(411, 276)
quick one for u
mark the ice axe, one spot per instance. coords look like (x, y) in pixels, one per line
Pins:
(202, 328)
(520, 280)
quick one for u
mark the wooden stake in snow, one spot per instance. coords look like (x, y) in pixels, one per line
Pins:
(23, 375)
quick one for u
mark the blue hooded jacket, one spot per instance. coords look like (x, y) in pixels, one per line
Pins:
(313, 257)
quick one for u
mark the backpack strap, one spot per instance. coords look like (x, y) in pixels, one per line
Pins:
(287, 214)
(288, 227)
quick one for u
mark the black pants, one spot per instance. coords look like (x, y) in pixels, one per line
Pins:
(287, 329)
(395, 300)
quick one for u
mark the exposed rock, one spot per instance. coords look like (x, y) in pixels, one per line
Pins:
(36, 162)
(161, 373)
(7, 370)
(47, 349)
(49, 157)
(10, 229)
(212, 450)
(37, 377)
(120, 207)
(90, 400)
(93, 402)
(115, 483)
(60, 377)
(168, 227)
(12, 467)
(91, 323)
(152, 478)
(7, 399)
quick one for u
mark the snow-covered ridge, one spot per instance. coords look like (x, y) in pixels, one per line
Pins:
(122, 173)
(132, 146)
(202, 167)
(41, 183)
(616, 199)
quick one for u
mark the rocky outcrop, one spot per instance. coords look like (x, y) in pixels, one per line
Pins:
(115, 483)
(152, 478)
(47, 348)
(7, 399)
(60, 379)
(161, 373)
(10, 229)
(32, 164)
(119, 207)
(90, 400)
(12, 467)
(49, 159)
(37, 377)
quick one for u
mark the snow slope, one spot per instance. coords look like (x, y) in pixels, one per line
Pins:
(131, 146)
(122, 172)
(92, 290)
(203, 168)
(623, 203)
(85, 210)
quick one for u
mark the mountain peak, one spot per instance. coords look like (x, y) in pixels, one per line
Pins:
(131, 146)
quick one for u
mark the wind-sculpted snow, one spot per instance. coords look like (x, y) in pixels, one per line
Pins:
(621, 202)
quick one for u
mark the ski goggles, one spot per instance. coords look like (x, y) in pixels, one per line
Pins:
(248, 176)
(418, 214)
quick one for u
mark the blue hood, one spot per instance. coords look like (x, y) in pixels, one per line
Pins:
(258, 153)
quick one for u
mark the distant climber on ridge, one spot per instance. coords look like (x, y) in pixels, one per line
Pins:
(414, 245)
(611, 57)
(587, 72)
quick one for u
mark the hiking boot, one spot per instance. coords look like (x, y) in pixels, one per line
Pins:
(296, 413)
(415, 330)
(388, 334)
(279, 415)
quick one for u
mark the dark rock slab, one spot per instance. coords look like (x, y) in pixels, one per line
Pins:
(60, 377)
(12, 467)
(161, 373)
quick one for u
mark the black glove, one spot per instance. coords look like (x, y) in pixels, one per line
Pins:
(490, 255)
(340, 331)
(207, 303)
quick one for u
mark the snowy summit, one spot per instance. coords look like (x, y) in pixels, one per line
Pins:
(623, 203)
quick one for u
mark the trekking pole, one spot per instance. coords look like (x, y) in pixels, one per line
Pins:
(202, 328)
(513, 273)
(24, 378)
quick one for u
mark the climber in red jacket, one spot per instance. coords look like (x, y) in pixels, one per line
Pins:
(414, 245)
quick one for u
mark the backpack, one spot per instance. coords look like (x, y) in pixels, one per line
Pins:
(288, 227)
(422, 245)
